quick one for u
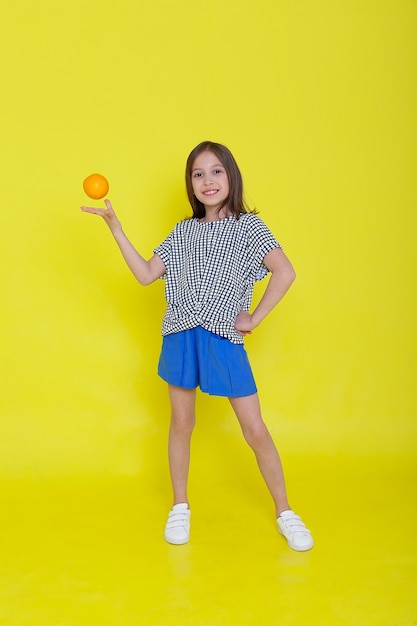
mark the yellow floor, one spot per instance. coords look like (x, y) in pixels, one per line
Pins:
(77, 552)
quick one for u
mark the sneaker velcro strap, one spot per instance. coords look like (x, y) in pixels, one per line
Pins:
(296, 524)
(177, 519)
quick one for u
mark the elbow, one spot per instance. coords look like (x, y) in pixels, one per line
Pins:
(284, 277)
(289, 276)
(144, 278)
(148, 278)
(145, 281)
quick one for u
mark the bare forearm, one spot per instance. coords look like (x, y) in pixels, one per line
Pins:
(282, 277)
(137, 264)
(277, 287)
(146, 272)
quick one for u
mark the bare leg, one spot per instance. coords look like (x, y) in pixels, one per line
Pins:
(181, 428)
(248, 412)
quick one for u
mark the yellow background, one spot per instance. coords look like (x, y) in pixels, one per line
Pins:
(317, 101)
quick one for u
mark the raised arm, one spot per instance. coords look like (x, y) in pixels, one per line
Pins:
(282, 277)
(146, 272)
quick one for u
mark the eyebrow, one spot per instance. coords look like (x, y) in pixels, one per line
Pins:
(215, 165)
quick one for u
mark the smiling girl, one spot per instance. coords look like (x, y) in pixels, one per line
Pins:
(210, 264)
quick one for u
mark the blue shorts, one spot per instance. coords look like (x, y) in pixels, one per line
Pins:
(197, 357)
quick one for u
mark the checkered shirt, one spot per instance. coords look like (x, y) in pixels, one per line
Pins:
(211, 269)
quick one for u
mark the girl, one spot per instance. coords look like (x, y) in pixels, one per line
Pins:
(210, 264)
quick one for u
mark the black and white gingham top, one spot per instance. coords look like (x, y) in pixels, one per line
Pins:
(211, 268)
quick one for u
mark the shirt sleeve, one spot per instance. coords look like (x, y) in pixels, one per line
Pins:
(261, 241)
(164, 251)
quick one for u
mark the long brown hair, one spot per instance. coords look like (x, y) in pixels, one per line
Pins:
(235, 201)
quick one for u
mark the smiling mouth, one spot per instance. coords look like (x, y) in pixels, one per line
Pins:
(210, 192)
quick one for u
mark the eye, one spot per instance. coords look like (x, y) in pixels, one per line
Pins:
(197, 174)
(218, 171)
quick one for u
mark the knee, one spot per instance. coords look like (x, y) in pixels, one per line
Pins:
(182, 423)
(257, 436)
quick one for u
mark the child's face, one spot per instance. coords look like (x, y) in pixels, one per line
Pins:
(209, 180)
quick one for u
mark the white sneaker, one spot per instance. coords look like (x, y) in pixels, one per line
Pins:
(293, 528)
(177, 529)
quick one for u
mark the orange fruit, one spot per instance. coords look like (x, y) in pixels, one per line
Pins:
(96, 186)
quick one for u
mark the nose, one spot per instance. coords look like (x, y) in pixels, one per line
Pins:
(207, 179)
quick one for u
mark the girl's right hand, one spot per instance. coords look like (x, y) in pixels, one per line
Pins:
(107, 214)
